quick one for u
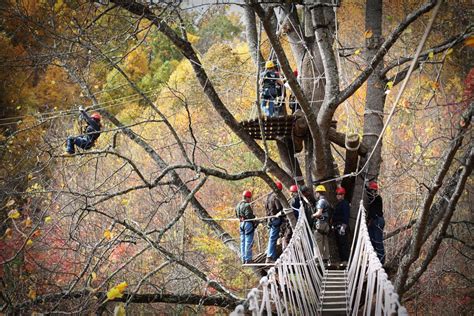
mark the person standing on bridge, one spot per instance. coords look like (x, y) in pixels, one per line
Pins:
(244, 212)
(322, 223)
(269, 81)
(376, 222)
(295, 203)
(341, 225)
(292, 102)
(273, 207)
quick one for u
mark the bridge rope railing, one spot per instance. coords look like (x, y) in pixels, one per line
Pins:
(366, 277)
(295, 284)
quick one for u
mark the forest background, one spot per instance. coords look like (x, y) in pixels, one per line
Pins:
(136, 207)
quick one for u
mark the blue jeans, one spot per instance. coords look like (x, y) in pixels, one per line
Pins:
(275, 224)
(268, 111)
(376, 237)
(83, 142)
(246, 240)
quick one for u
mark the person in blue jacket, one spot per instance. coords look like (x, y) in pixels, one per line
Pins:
(92, 132)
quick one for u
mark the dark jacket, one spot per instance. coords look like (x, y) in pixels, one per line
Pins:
(270, 84)
(93, 127)
(273, 204)
(341, 213)
(244, 211)
(375, 207)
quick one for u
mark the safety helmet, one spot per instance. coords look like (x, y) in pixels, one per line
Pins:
(279, 185)
(96, 116)
(295, 72)
(340, 190)
(269, 64)
(373, 185)
(294, 188)
(247, 194)
(320, 188)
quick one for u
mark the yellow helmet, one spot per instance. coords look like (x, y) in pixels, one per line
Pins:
(320, 188)
(269, 64)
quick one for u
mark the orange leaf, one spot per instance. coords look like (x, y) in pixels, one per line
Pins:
(469, 41)
(32, 294)
(107, 234)
(368, 34)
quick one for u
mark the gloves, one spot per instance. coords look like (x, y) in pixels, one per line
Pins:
(342, 230)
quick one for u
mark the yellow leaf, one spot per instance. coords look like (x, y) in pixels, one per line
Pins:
(119, 310)
(32, 294)
(14, 214)
(357, 52)
(469, 41)
(47, 219)
(27, 222)
(113, 293)
(193, 39)
(368, 34)
(107, 234)
(18, 107)
(8, 233)
(389, 85)
(10, 203)
(94, 276)
(29, 242)
(124, 202)
(96, 87)
(30, 176)
(449, 51)
(116, 291)
(431, 55)
(122, 286)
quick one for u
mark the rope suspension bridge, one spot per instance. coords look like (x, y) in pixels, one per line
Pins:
(299, 283)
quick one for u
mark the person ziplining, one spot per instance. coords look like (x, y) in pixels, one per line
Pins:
(88, 138)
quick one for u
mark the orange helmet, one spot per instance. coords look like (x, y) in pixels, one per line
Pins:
(373, 185)
(294, 188)
(96, 116)
(279, 185)
(340, 190)
(247, 194)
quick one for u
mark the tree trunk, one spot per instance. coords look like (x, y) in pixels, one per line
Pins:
(374, 103)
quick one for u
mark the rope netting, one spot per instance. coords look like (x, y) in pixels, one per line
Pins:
(295, 284)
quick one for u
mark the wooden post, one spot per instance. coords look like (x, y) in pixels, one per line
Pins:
(352, 144)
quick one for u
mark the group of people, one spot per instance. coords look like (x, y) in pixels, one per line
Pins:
(272, 94)
(322, 219)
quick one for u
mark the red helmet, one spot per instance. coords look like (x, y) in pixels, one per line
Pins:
(294, 188)
(96, 116)
(373, 185)
(279, 185)
(247, 194)
(295, 72)
(340, 190)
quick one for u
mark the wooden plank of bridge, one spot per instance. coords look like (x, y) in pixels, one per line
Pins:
(273, 127)
(334, 293)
